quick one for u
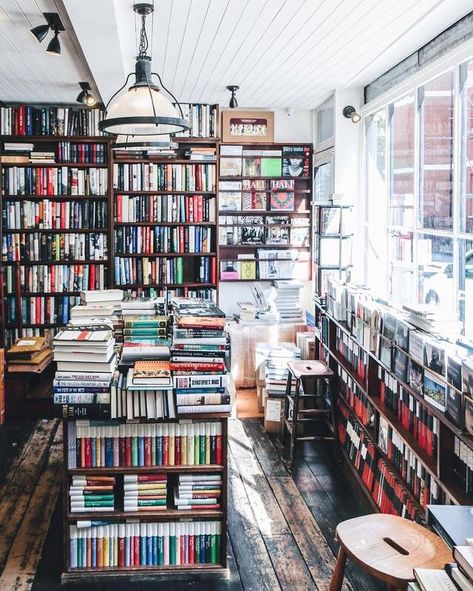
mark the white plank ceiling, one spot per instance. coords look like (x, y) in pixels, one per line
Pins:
(282, 53)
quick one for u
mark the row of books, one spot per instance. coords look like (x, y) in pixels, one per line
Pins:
(202, 119)
(145, 544)
(64, 152)
(57, 180)
(164, 208)
(295, 234)
(256, 201)
(50, 215)
(356, 398)
(164, 239)
(278, 266)
(269, 166)
(463, 466)
(353, 354)
(83, 153)
(102, 444)
(412, 414)
(333, 220)
(55, 278)
(150, 176)
(390, 495)
(40, 309)
(176, 270)
(56, 121)
(36, 246)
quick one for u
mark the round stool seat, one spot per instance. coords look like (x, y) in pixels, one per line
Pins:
(390, 547)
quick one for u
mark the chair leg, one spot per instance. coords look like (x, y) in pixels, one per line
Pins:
(286, 405)
(295, 412)
(338, 571)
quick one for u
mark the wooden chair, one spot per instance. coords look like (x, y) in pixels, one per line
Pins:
(389, 548)
(308, 371)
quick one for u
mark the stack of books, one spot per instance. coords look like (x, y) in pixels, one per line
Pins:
(429, 318)
(16, 153)
(198, 492)
(288, 301)
(29, 354)
(100, 306)
(145, 337)
(92, 493)
(145, 392)
(145, 492)
(144, 306)
(275, 358)
(199, 347)
(86, 361)
(201, 153)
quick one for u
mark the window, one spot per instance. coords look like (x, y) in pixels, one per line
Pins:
(419, 195)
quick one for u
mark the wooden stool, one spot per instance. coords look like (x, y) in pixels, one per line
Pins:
(324, 411)
(389, 548)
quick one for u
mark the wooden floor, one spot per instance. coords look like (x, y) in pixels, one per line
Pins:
(281, 529)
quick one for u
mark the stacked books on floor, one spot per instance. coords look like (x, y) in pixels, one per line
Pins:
(90, 492)
(145, 544)
(86, 360)
(288, 301)
(29, 354)
(198, 492)
(199, 348)
(275, 358)
(145, 336)
(145, 492)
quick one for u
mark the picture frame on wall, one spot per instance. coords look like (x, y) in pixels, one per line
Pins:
(246, 126)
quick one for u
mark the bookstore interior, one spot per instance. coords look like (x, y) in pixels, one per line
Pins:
(236, 296)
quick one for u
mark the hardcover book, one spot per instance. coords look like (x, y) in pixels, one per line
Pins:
(282, 201)
(152, 372)
(454, 407)
(230, 167)
(435, 391)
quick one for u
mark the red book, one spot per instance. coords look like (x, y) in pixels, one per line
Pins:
(200, 208)
(121, 551)
(147, 451)
(87, 458)
(128, 451)
(219, 458)
(122, 454)
(151, 478)
(177, 450)
(165, 450)
(203, 367)
(136, 550)
(191, 559)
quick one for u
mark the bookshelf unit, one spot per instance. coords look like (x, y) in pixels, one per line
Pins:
(332, 242)
(265, 196)
(115, 521)
(403, 452)
(55, 214)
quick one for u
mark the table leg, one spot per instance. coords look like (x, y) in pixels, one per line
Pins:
(338, 571)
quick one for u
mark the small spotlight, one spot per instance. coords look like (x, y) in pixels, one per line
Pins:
(54, 47)
(85, 97)
(350, 113)
(40, 32)
(233, 104)
(54, 24)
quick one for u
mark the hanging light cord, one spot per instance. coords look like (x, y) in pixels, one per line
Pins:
(144, 43)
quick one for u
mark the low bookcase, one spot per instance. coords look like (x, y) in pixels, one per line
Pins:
(115, 542)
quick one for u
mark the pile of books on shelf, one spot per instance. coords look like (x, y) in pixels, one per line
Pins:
(199, 347)
(29, 354)
(92, 492)
(86, 360)
(201, 153)
(198, 492)
(145, 492)
(146, 544)
(288, 301)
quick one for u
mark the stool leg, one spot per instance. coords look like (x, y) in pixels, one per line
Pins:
(286, 405)
(338, 571)
(295, 412)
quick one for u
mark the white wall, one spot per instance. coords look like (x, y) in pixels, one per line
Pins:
(296, 128)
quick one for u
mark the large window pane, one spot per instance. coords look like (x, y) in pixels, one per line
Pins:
(435, 271)
(466, 194)
(401, 263)
(401, 198)
(436, 153)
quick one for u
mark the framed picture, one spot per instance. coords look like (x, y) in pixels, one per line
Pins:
(249, 127)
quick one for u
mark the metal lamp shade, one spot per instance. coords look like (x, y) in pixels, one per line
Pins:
(139, 143)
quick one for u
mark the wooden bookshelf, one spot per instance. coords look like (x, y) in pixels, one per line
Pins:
(361, 372)
(265, 207)
(83, 156)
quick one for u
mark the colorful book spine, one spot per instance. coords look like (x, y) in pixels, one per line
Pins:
(54, 180)
(151, 176)
(56, 278)
(164, 239)
(164, 208)
(52, 247)
(147, 270)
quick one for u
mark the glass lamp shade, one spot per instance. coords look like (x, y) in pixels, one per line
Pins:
(139, 143)
(132, 113)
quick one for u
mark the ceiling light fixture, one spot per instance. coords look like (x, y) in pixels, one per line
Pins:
(350, 113)
(54, 24)
(233, 104)
(85, 97)
(144, 142)
(143, 109)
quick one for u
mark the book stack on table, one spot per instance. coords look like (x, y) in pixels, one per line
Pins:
(92, 493)
(145, 335)
(198, 492)
(98, 307)
(199, 348)
(29, 354)
(145, 492)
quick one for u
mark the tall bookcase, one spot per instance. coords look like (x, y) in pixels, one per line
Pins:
(404, 452)
(265, 196)
(82, 436)
(56, 188)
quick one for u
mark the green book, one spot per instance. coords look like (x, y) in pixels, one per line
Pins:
(202, 450)
(160, 550)
(196, 450)
(213, 549)
(179, 276)
(134, 451)
(271, 167)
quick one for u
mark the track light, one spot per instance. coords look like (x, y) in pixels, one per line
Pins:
(233, 104)
(54, 24)
(350, 113)
(85, 97)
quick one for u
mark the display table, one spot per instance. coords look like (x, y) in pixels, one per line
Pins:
(243, 342)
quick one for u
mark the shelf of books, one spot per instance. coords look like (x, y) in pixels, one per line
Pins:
(145, 405)
(55, 222)
(333, 229)
(165, 220)
(265, 211)
(405, 408)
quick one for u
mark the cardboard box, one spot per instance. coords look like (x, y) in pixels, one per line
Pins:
(273, 415)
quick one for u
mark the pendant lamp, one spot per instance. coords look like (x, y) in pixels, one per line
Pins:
(144, 142)
(143, 109)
